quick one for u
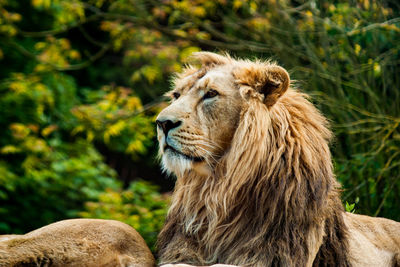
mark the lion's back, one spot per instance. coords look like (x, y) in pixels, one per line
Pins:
(78, 242)
(373, 240)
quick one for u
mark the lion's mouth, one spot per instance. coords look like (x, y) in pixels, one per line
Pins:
(192, 158)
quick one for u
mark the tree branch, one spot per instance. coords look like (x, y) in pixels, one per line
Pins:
(59, 30)
(79, 66)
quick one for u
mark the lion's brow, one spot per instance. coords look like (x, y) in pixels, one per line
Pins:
(193, 78)
(198, 75)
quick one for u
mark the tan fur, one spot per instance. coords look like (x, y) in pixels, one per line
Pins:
(78, 243)
(374, 241)
(255, 183)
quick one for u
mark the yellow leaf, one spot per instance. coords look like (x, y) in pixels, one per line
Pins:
(15, 17)
(46, 3)
(41, 67)
(151, 73)
(73, 54)
(36, 145)
(237, 4)
(33, 127)
(135, 146)
(19, 130)
(9, 149)
(357, 49)
(133, 103)
(180, 33)
(90, 136)
(37, 3)
(78, 129)
(41, 3)
(18, 87)
(65, 44)
(48, 130)
(199, 11)
(309, 13)
(135, 76)
(203, 36)
(116, 128)
(40, 45)
(377, 69)
(253, 7)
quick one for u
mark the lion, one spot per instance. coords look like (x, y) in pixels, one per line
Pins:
(255, 182)
(77, 242)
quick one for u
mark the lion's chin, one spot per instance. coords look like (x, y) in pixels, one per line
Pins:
(175, 163)
(179, 164)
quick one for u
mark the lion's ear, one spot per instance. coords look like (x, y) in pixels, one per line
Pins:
(268, 80)
(209, 58)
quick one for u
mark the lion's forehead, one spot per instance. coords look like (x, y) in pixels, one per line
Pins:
(185, 83)
(217, 78)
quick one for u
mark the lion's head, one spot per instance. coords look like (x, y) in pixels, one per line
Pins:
(197, 128)
(255, 181)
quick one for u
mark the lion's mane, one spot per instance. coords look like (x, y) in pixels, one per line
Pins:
(271, 195)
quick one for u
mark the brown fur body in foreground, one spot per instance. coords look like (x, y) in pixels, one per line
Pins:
(78, 243)
(255, 183)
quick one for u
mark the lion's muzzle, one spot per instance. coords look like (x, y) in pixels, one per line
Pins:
(166, 125)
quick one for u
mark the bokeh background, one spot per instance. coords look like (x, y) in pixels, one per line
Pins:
(82, 81)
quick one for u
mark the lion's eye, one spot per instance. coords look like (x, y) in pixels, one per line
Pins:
(176, 95)
(210, 94)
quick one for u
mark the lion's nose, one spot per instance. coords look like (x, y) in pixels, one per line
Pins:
(167, 125)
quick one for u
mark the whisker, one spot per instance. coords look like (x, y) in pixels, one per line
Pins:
(209, 154)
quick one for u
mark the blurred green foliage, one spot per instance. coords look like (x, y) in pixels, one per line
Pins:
(77, 76)
(140, 206)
